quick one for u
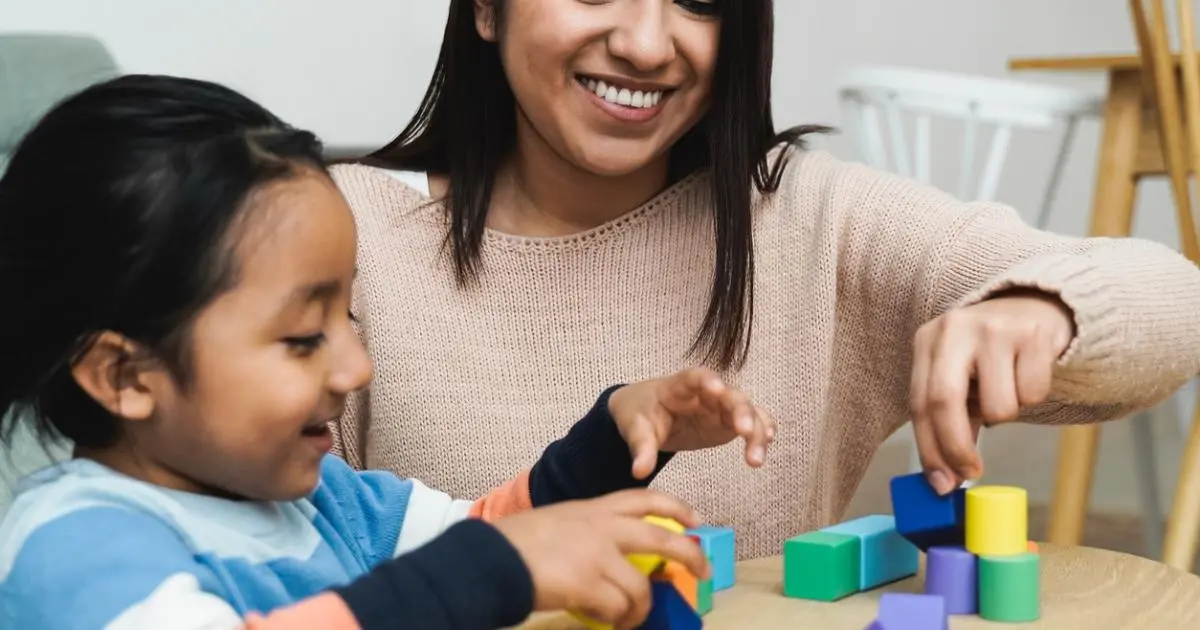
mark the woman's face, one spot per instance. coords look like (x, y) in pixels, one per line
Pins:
(608, 85)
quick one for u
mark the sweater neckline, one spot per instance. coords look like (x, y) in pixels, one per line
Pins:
(494, 238)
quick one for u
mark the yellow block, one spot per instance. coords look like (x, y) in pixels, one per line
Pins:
(997, 520)
(645, 563)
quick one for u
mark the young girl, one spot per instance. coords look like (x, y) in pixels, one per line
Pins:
(177, 268)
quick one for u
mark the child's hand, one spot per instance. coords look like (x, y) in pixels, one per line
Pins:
(691, 410)
(576, 552)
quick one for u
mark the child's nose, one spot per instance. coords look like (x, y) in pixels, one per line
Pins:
(353, 370)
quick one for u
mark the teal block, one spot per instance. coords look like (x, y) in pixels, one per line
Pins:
(886, 555)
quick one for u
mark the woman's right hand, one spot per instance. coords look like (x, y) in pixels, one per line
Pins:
(576, 552)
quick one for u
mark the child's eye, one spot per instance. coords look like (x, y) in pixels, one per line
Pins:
(306, 345)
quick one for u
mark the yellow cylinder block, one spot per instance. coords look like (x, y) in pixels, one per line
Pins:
(997, 520)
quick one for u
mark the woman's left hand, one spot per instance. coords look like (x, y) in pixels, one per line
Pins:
(978, 366)
(690, 410)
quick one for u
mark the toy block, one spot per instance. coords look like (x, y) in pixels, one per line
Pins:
(953, 573)
(704, 588)
(719, 545)
(682, 579)
(923, 517)
(669, 611)
(822, 566)
(1032, 547)
(886, 555)
(645, 563)
(910, 611)
(1009, 588)
(997, 521)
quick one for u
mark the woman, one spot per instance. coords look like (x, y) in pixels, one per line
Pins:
(594, 190)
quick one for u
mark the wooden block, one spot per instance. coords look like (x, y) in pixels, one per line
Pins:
(910, 611)
(704, 597)
(953, 573)
(720, 548)
(1032, 547)
(923, 517)
(682, 579)
(886, 555)
(1010, 588)
(997, 521)
(669, 610)
(821, 566)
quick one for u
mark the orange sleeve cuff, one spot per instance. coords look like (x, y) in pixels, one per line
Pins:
(326, 612)
(509, 498)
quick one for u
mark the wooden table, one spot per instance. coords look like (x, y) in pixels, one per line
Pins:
(1082, 588)
(1130, 149)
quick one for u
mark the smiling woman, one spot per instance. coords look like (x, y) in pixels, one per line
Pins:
(594, 190)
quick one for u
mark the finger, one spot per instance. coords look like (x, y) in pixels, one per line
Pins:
(735, 409)
(638, 536)
(949, 384)
(605, 602)
(995, 367)
(640, 502)
(1034, 370)
(682, 392)
(643, 442)
(939, 474)
(757, 443)
(633, 585)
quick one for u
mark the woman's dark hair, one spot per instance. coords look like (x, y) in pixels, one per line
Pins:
(466, 125)
(117, 214)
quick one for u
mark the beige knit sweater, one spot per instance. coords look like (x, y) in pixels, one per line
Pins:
(471, 384)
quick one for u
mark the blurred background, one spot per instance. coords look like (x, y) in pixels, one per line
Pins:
(355, 70)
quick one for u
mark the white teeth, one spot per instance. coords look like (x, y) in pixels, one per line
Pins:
(621, 96)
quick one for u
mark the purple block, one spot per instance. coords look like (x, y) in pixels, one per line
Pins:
(911, 611)
(953, 573)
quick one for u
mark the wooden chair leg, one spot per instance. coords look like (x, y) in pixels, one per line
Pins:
(1183, 524)
(1112, 215)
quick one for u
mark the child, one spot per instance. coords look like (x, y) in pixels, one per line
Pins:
(177, 269)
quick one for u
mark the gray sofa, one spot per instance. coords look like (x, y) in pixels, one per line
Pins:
(36, 71)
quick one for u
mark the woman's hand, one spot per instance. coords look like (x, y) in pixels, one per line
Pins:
(576, 552)
(979, 366)
(690, 410)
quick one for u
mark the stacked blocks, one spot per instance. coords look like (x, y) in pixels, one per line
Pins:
(670, 610)
(718, 545)
(847, 558)
(925, 518)
(675, 590)
(704, 588)
(908, 611)
(978, 556)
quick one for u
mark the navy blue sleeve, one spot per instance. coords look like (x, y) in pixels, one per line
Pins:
(468, 578)
(590, 461)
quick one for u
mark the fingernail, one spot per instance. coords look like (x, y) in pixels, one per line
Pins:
(940, 482)
(771, 433)
(757, 454)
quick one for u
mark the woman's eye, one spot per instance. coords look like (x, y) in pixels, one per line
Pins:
(307, 344)
(700, 7)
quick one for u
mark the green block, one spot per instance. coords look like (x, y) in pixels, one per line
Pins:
(704, 603)
(1009, 588)
(822, 566)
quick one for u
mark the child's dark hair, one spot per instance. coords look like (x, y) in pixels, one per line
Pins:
(116, 214)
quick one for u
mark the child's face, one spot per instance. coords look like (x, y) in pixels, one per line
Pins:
(272, 360)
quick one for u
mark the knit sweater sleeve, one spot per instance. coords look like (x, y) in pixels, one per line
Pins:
(907, 253)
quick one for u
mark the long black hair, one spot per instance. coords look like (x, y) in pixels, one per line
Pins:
(115, 215)
(466, 125)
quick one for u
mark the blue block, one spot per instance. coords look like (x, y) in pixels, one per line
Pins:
(886, 555)
(909, 611)
(669, 610)
(926, 519)
(718, 545)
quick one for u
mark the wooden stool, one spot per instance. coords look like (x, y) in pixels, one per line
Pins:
(1144, 135)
